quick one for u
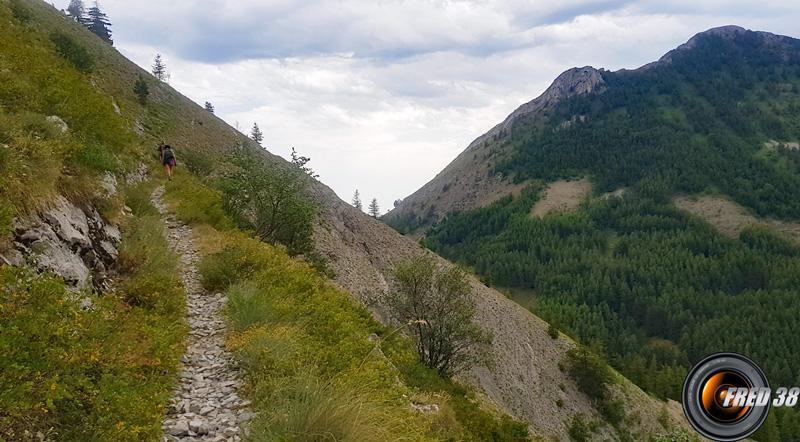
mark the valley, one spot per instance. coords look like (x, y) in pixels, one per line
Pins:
(610, 229)
(307, 319)
(685, 224)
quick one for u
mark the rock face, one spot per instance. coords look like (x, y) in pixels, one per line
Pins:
(467, 182)
(76, 244)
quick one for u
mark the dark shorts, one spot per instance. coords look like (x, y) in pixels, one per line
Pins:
(168, 161)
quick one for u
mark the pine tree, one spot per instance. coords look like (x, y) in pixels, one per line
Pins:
(357, 201)
(77, 11)
(98, 23)
(160, 69)
(141, 89)
(374, 210)
(301, 161)
(209, 107)
(256, 134)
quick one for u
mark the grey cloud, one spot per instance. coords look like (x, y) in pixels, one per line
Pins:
(236, 30)
(367, 90)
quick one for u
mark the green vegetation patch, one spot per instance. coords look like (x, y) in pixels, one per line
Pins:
(311, 366)
(97, 374)
(647, 284)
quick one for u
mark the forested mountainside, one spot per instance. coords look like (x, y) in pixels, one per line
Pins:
(93, 309)
(651, 286)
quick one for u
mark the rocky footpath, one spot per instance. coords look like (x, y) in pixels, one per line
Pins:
(205, 405)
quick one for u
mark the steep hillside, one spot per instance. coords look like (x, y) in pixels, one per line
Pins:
(76, 149)
(654, 262)
(469, 180)
(695, 119)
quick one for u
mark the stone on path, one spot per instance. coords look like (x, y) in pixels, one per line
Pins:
(204, 406)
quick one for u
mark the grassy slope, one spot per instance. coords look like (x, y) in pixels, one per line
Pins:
(105, 374)
(101, 374)
(305, 345)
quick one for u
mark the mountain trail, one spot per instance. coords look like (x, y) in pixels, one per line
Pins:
(205, 405)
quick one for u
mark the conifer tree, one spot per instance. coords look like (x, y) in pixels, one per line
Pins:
(141, 89)
(160, 69)
(98, 23)
(357, 201)
(209, 107)
(77, 11)
(301, 161)
(374, 210)
(256, 134)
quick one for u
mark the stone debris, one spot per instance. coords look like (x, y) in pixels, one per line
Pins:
(56, 121)
(205, 405)
(108, 184)
(425, 408)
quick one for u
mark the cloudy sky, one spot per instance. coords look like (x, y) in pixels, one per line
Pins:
(382, 94)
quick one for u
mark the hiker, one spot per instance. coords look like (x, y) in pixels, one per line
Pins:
(167, 158)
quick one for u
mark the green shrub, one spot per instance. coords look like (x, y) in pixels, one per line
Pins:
(6, 218)
(579, 429)
(224, 268)
(152, 280)
(195, 203)
(141, 89)
(438, 306)
(97, 158)
(138, 199)
(248, 306)
(20, 12)
(198, 163)
(552, 331)
(271, 201)
(613, 411)
(589, 371)
(72, 51)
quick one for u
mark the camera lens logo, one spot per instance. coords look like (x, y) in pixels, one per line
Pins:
(708, 401)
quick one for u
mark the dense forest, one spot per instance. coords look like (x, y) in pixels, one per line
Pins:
(647, 285)
(699, 122)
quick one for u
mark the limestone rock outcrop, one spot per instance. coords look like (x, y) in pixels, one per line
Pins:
(74, 243)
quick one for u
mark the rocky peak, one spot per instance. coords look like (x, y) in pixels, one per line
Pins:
(728, 32)
(572, 82)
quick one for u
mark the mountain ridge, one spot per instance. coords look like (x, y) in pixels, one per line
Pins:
(478, 185)
(602, 213)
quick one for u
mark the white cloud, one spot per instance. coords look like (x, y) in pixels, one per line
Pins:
(383, 94)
